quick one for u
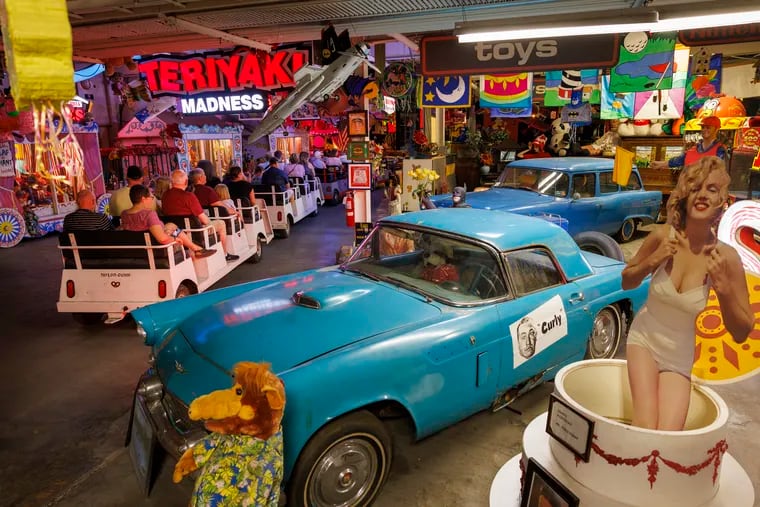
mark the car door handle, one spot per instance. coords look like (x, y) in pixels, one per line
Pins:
(576, 298)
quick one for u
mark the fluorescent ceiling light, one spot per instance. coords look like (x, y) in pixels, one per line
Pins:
(706, 21)
(563, 31)
(568, 25)
(624, 22)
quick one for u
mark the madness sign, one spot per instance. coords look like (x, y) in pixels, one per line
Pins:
(444, 55)
(219, 72)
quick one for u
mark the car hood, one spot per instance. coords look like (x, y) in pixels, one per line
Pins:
(265, 324)
(505, 199)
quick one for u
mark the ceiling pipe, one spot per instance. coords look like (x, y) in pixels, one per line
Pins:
(212, 32)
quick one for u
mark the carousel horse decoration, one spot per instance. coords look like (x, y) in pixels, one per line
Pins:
(718, 359)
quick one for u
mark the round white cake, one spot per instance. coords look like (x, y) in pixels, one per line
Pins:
(650, 467)
(629, 466)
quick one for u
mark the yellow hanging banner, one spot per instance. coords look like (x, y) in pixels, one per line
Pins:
(621, 171)
(38, 51)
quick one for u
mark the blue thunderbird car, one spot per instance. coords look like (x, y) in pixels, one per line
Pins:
(578, 189)
(438, 314)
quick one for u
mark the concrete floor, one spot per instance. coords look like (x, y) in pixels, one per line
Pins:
(66, 392)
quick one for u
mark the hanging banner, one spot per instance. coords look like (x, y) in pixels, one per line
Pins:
(702, 87)
(444, 55)
(561, 83)
(615, 105)
(646, 63)
(444, 91)
(658, 104)
(510, 94)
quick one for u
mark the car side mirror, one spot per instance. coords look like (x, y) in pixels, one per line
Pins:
(576, 196)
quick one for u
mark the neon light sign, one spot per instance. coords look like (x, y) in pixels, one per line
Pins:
(241, 69)
(255, 101)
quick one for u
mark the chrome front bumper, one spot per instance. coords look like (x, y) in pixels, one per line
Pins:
(168, 416)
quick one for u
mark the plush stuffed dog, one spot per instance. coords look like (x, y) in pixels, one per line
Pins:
(241, 459)
(437, 266)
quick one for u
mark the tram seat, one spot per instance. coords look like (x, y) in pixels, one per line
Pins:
(220, 212)
(191, 224)
(250, 215)
(109, 256)
(272, 198)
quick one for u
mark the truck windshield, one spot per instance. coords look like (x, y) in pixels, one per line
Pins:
(543, 181)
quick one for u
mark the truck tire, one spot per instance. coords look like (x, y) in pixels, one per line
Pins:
(599, 243)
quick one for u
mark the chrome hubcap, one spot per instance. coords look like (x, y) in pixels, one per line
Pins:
(344, 474)
(604, 335)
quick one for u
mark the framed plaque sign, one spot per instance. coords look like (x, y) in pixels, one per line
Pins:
(542, 488)
(569, 427)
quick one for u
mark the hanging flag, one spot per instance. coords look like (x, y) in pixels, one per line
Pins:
(510, 94)
(561, 83)
(577, 113)
(699, 88)
(658, 104)
(646, 63)
(680, 66)
(615, 105)
(623, 166)
(444, 91)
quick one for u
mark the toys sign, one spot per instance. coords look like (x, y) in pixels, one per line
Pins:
(444, 55)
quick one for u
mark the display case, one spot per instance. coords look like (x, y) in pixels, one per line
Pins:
(648, 149)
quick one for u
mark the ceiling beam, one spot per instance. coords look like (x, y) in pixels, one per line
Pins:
(406, 41)
(212, 32)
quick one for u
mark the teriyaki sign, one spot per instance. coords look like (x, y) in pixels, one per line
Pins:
(222, 82)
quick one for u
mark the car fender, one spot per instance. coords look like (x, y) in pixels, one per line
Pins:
(336, 394)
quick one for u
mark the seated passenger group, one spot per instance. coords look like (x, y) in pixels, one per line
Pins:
(134, 208)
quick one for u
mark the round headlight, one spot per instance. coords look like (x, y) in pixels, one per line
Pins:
(141, 331)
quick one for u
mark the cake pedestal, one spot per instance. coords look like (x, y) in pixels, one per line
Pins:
(629, 466)
(734, 490)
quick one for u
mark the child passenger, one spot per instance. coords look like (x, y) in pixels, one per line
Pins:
(223, 192)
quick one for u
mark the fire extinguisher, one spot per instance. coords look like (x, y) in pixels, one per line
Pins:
(350, 209)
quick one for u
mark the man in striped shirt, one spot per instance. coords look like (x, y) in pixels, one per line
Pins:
(85, 218)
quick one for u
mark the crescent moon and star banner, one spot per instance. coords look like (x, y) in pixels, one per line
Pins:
(445, 91)
(507, 95)
(646, 63)
(561, 83)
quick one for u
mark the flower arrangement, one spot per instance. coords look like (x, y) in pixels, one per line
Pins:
(422, 145)
(425, 179)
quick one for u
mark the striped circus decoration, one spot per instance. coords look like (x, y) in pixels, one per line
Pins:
(718, 359)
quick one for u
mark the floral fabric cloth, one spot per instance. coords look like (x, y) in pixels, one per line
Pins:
(238, 470)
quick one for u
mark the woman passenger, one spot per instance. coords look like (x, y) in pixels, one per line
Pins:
(140, 217)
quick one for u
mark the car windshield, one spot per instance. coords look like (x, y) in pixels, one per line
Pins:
(543, 181)
(437, 266)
